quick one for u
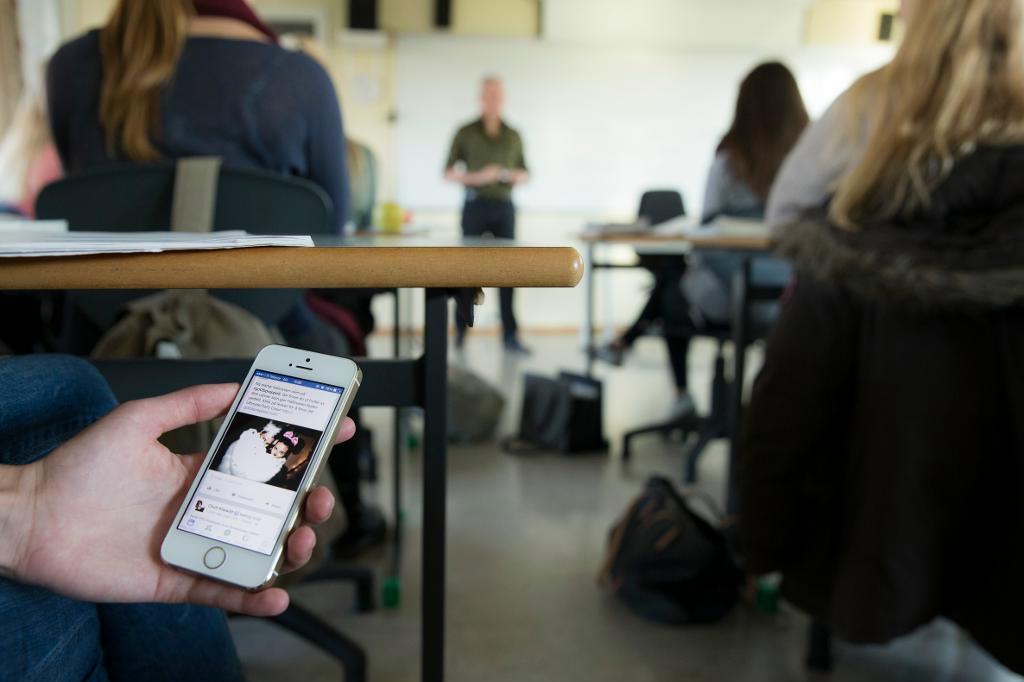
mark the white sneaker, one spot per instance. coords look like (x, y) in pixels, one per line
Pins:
(682, 406)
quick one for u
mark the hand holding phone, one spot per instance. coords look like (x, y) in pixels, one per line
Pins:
(90, 524)
(233, 522)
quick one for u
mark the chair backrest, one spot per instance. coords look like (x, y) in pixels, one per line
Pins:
(136, 197)
(128, 198)
(660, 205)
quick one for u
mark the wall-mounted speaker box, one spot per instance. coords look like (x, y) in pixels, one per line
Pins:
(886, 26)
(443, 13)
(362, 14)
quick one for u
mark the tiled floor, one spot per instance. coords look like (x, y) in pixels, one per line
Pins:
(526, 537)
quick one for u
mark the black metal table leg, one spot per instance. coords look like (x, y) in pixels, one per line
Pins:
(819, 648)
(397, 434)
(588, 313)
(741, 338)
(435, 420)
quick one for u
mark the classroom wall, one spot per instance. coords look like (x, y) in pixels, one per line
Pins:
(407, 16)
(469, 17)
(42, 21)
(675, 23)
(86, 14)
(847, 22)
(496, 17)
(362, 65)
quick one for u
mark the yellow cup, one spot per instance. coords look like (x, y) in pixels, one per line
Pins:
(390, 217)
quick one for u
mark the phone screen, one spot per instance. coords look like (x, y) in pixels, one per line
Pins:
(246, 493)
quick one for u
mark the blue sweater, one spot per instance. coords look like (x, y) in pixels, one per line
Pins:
(255, 105)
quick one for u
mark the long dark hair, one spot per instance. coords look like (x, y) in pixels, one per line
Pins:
(770, 116)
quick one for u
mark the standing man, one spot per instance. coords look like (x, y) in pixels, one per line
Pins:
(487, 158)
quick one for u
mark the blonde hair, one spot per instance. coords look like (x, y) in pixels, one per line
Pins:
(140, 46)
(27, 136)
(956, 82)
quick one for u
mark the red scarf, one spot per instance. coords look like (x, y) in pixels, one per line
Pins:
(234, 9)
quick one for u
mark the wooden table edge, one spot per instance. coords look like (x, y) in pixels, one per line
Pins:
(307, 268)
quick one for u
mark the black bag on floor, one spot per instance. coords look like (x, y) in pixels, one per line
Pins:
(562, 414)
(669, 564)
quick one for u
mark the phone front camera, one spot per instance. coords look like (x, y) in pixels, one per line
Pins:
(307, 359)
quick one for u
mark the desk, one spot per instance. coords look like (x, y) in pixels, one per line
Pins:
(433, 265)
(743, 295)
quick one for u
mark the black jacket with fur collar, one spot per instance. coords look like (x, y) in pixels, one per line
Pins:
(882, 464)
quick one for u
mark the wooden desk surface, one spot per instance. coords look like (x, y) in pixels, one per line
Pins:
(711, 241)
(348, 264)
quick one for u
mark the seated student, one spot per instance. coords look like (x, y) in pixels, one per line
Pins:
(769, 118)
(196, 78)
(86, 495)
(28, 159)
(881, 466)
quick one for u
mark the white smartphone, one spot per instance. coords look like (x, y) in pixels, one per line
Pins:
(235, 519)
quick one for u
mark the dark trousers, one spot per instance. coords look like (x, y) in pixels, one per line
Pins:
(667, 305)
(496, 218)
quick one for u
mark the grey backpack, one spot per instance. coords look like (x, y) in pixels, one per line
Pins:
(474, 407)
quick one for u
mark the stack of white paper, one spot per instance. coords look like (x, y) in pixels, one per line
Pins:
(615, 229)
(676, 227)
(725, 226)
(36, 243)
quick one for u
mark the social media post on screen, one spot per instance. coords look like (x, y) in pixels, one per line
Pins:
(245, 495)
(291, 400)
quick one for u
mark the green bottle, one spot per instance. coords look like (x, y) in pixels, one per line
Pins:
(767, 600)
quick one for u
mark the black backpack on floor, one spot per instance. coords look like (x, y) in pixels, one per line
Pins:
(562, 414)
(667, 563)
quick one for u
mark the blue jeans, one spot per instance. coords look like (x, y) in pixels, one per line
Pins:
(47, 399)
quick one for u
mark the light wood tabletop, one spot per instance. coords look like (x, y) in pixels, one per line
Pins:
(724, 232)
(744, 242)
(341, 264)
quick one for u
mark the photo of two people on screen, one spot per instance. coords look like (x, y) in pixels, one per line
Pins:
(265, 451)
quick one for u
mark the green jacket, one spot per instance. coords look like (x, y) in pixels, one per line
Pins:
(476, 149)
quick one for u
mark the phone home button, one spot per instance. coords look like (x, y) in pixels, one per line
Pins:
(214, 557)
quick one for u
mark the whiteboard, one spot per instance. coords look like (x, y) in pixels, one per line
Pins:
(599, 125)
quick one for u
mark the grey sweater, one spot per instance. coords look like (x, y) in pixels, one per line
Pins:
(725, 194)
(813, 169)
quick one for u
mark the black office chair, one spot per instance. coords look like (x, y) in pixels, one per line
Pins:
(661, 205)
(658, 206)
(132, 198)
